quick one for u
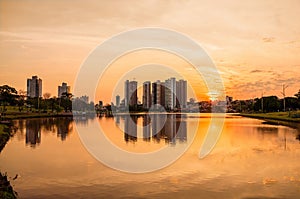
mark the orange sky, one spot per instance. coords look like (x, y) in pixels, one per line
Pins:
(254, 44)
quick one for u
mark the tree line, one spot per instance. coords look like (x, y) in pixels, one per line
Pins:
(9, 96)
(268, 104)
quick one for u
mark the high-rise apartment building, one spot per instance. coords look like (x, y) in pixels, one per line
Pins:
(158, 93)
(170, 93)
(63, 89)
(147, 95)
(130, 93)
(118, 99)
(181, 94)
(34, 87)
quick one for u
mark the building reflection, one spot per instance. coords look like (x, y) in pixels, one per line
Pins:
(170, 128)
(35, 127)
(146, 128)
(130, 128)
(84, 119)
(33, 133)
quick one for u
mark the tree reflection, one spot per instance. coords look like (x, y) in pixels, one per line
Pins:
(35, 127)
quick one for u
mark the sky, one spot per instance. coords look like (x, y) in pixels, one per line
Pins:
(255, 45)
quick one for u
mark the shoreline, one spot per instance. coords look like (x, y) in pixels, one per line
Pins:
(274, 119)
(6, 190)
(270, 117)
(34, 115)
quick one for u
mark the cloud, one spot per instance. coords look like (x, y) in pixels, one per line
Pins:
(256, 71)
(268, 39)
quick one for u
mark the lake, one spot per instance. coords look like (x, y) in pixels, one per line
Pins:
(252, 159)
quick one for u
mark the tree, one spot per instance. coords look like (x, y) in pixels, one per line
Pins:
(7, 95)
(46, 95)
(298, 95)
(21, 99)
(270, 104)
(66, 95)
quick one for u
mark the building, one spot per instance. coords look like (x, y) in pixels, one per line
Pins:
(181, 94)
(130, 93)
(118, 99)
(84, 98)
(63, 89)
(147, 95)
(34, 87)
(161, 94)
(158, 93)
(154, 93)
(170, 93)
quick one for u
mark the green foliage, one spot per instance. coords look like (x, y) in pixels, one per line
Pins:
(6, 190)
(8, 96)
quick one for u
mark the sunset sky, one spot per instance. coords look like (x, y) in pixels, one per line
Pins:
(254, 44)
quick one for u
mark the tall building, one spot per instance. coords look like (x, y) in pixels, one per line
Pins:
(130, 93)
(162, 94)
(170, 93)
(64, 88)
(158, 93)
(147, 95)
(181, 94)
(34, 87)
(118, 100)
(154, 93)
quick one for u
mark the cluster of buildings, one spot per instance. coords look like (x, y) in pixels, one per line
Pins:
(170, 94)
(35, 88)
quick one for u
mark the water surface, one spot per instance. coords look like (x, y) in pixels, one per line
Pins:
(251, 159)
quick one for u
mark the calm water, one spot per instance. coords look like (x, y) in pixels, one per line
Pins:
(250, 160)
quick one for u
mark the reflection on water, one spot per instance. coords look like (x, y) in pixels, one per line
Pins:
(156, 127)
(33, 132)
(34, 127)
(252, 159)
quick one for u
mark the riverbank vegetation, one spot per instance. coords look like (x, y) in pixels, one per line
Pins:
(291, 116)
(6, 190)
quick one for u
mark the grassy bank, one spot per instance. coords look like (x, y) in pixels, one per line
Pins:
(12, 112)
(277, 116)
(6, 190)
(23, 115)
(4, 135)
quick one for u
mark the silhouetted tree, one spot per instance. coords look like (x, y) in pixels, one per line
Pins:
(47, 95)
(270, 104)
(298, 95)
(21, 99)
(8, 96)
(65, 101)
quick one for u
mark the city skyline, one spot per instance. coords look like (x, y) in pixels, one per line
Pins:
(170, 94)
(34, 89)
